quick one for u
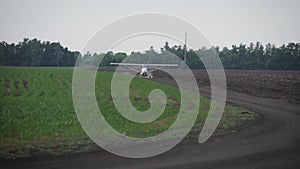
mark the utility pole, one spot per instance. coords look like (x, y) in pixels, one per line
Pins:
(184, 54)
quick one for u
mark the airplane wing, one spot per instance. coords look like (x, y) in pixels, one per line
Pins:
(125, 64)
(146, 64)
(161, 65)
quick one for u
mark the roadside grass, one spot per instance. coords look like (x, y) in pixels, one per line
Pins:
(37, 113)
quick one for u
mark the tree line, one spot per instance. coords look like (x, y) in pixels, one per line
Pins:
(33, 52)
(253, 56)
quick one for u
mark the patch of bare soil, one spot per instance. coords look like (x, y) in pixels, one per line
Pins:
(65, 84)
(25, 84)
(176, 105)
(284, 85)
(7, 86)
(17, 87)
(137, 99)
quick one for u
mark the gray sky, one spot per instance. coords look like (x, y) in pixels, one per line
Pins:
(223, 22)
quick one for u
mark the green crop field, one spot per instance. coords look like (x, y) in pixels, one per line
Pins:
(37, 113)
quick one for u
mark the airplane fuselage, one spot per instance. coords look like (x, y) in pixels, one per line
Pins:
(144, 71)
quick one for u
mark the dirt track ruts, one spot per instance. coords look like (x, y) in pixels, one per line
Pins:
(271, 143)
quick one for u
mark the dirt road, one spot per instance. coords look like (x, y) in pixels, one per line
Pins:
(273, 142)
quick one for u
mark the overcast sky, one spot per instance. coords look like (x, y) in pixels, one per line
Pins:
(223, 22)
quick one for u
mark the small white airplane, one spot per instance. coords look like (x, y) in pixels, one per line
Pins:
(146, 69)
